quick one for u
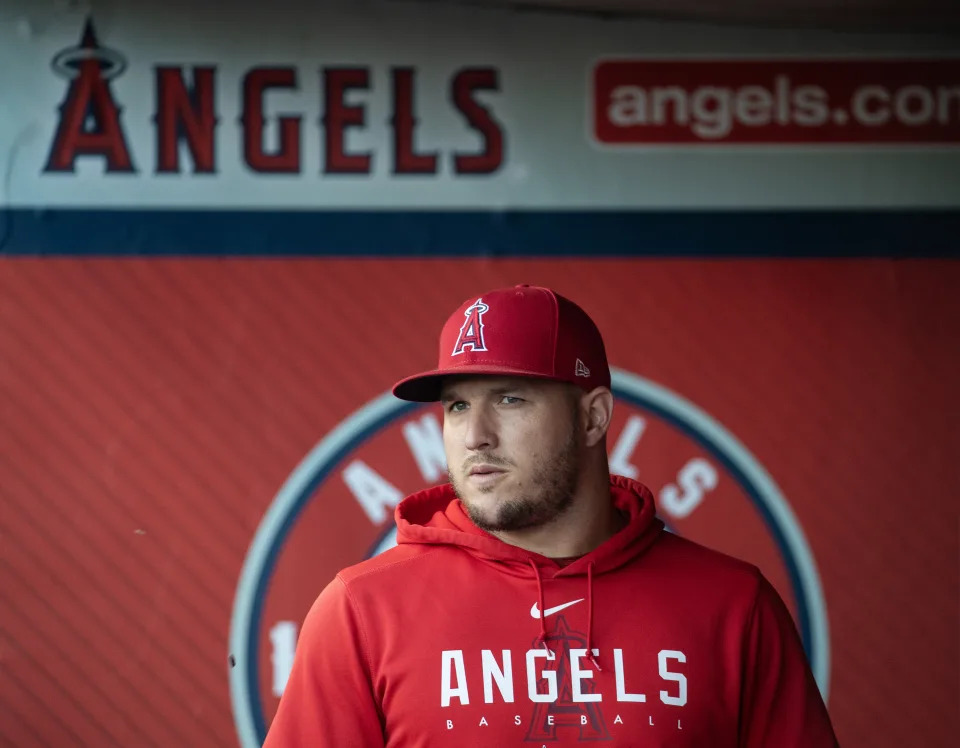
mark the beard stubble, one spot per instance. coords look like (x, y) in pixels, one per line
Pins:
(548, 496)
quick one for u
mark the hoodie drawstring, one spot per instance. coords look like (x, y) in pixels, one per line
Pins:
(590, 617)
(542, 639)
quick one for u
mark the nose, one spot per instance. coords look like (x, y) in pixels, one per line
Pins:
(481, 432)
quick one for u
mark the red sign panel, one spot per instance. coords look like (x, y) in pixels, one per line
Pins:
(162, 417)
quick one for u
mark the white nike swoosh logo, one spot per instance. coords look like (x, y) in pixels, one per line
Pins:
(535, 611)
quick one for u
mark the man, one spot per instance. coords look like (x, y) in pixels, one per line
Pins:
(535, 599)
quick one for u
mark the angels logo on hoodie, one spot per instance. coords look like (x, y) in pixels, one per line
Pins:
(586, 717)
(336, 508)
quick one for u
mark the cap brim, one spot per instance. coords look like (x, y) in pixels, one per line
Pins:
(425, 387)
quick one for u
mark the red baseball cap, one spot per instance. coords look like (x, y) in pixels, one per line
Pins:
(525, 331)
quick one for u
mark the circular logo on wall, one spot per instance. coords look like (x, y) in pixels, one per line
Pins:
(336, 509)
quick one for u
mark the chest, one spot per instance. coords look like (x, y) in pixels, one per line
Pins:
(474, 671)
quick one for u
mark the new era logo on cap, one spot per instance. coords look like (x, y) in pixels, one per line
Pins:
(523, 331)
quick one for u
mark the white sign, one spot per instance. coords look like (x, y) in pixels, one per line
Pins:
(406, 106)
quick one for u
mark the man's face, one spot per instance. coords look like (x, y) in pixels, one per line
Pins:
(513, 448)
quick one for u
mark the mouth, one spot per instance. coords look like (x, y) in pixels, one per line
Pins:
(485, 470)
(485, 474)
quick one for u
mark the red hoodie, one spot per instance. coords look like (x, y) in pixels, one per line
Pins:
(454, 638)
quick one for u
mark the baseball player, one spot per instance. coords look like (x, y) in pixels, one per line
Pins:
(535, 599)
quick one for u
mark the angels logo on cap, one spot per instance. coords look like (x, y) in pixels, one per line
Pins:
(471, 334)
(525, 331)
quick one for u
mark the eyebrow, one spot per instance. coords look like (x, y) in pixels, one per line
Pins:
(451, 394)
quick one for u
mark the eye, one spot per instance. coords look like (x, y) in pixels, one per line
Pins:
(510, 400)
(457, 406)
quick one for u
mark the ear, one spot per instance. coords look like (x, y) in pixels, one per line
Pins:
(596, 407)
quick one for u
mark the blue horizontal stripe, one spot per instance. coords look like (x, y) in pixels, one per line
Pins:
(484, 233)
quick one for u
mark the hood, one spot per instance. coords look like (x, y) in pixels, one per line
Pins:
(435, 516)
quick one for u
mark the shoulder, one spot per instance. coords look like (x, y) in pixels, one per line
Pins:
(688, 552)
(386, 567)
(689, 563)
(381, 578)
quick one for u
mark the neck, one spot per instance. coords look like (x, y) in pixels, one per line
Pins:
(589, 521)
